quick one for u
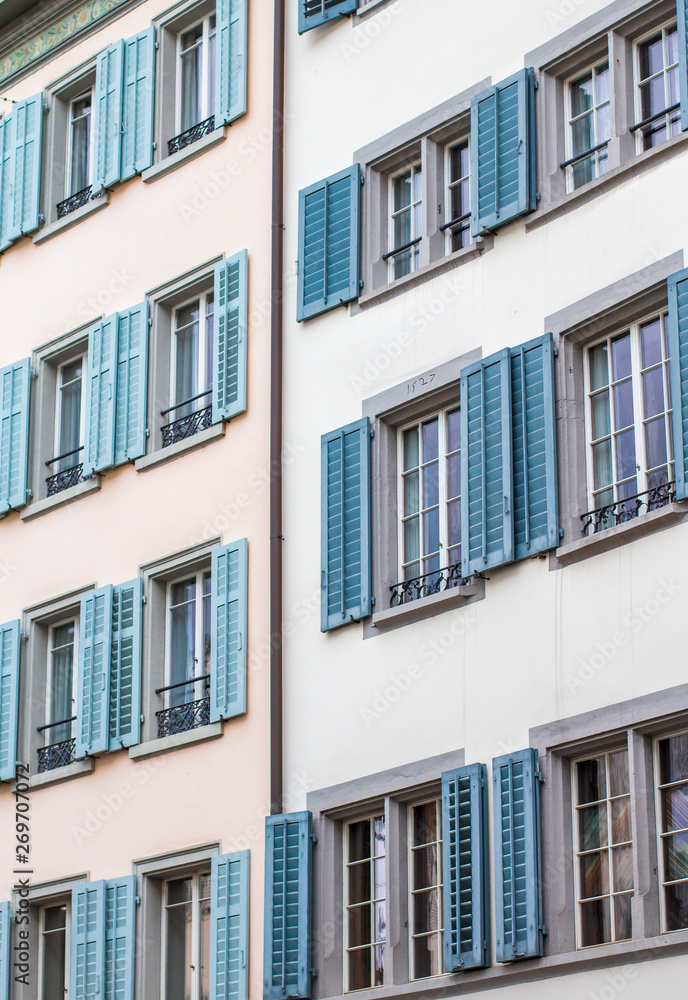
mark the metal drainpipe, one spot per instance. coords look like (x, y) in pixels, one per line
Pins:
(276, 338)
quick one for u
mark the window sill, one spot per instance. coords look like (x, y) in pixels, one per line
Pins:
(436, 268)
(612, 538)
(55, 228)
(172, 451)
(169, 743)
(40, 507)
(176, 160)
(588, 192)
(75, 770)
(427, 607)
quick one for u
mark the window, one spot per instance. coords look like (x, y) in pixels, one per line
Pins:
(430, 496)
(59, 727)
(406, 221)
(458, 204)
(588, 126)
(629, 414)
(657, 88)
(672, 812)
(366, 907)
(79, 151)
(188, 658)
(186, 937)
(425, 879)
(192, 370)
(196, 74)
(66, 467)
(54, 951)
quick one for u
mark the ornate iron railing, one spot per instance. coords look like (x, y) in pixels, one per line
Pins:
(191, 135)
(63, 480)
(626, 510)
(186, 427)
(182, 718)
(423, 586)
(75, 201)
(57, 755)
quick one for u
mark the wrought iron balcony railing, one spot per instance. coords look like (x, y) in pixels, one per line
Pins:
(57, 754)
(187, 426)
(66, 477)
(75, 201)
(423, 586)
(627, 510)
(191, 135)
(182, 718)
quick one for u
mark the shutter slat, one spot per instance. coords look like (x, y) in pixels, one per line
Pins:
(288, 890)
(7, 155)
(119, 938)
(228, 645)
(15, 397)
(125, 665)
(677, 292)
(230, 61)
(95, 652)
(315, 12)
(131, 384)
(87, 964)
(107, 116)
(230, 343)
(27, 137)
(229, 916)
(10, 660)
(99, 449)
(137, 102)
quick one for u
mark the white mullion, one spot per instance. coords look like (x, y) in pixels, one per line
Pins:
(638, 408)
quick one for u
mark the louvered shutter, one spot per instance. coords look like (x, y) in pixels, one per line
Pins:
(95, 651)
(677, 291)
(315, 12)
(27, 136)
(99, 449)
(328, 270)
(345, 525)
(229, 913)
(288, 890)
(518, 891)
(230, 61)
(503, 152)
(120, 918)
(5, 950)
(486, 472)
(125, 665)
(229, 581)
(465, 872)
(87, 941)
(107, 116)
(131, 384)
(137, 103)
(15, 398)
(10, 660)
(536, 523)
(682, 22)
(7, 151)
(229, 343)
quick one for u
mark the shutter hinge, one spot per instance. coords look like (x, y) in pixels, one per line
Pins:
(536, 85)
(538, 197)
(150, 321)
(372, 602)
(362, 177)
(155, 145)
(23, 635)
(360, 282)
(147, 432)
(137, 900)
(142, 718)
(540, 776)
(41, 217)
(543, 930)
(34, 373)
(144, 599)
(46, 107)
(314, 838)
(372, 432)
(29, 493)
(157, 46)
(555, 352)
(561, 532)
(314, 972)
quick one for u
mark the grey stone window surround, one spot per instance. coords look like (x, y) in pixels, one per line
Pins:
(425, 138)
(610, 33)
(574, 327)
(391, 791)
(150, 874)
(412, 399)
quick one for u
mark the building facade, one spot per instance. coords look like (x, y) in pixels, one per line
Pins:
(134, 364)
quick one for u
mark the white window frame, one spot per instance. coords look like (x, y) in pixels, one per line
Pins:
(568, 141)
(370, 816)
(437, 801)
(413, 169)
(204, 71)
(638, 406)
(49, 674)
(576, 807)
(198, 576)
(58, 405)
(659, 832)
(636, 78)
(195, 937)
(203, 376)
(89, 92)
(449, 186)
(41, 950)
(442, 442)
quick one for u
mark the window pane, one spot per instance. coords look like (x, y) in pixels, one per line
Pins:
(454, 517)
(54, 954)
(601, 415)
(582, 135)
(625, 455)
(190, 81)
(430, 440)
(402, 191)
(677, 906)
(603, 127)
(655, 442)
(425, 867)
(592, 784)
(426, 957)
(411, 493)
(380, 886)
(594, 875)
(602, 464)
(81, 144)
(178, 953)
(454, 476)
(60, 696)
(623, 404)
(651, 57)
(431, 532)
(622, 861)
(602, 83)
(359, 925)
(595, 922)
(622, 905)
(380, 921)
(186, 359)
(676, 857)
(673, 758)
(581, 95)
(179, 891)
(651, 343)
(402, 235)
(426, 912)
(359, 882)
(425, 824)
(599, 366)
(359, 969)
(412, 539)
(431, 485)
(618, 773)
(653, 392)
(675, 808)
(454, 430)
(359, 840)
(621, 820)
(621, 356)
(379, 836)
(411, 448)
(593, 827)
(182, 651)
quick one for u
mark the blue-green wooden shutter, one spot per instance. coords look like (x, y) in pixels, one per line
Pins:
(137, 102)
(5, 950)
(7, 151)
(677, 291)
(518, 890)
(131, 384)
(315, 12)
(88, 941)
(120, 920)
(536, 523)
(95, 652)
(27, 136)
(107, 116)
(10, 660)
(503, 152)
(465, 871)
(229, 343)
(328, 269)
(125, 665)
(230, 60)
(229, 913)
(228, 585)
(288, 890)
(15, 399)
(682, 20)
(99, 449)
(345, 525)
(486, 501)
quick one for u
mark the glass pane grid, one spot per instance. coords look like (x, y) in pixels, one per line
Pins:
(672, 792)
(459, 196)
(426, 917)
(589, 125)
(405, 220)
(366, 903)
(658, 86)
